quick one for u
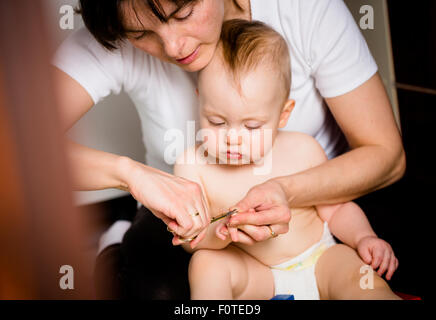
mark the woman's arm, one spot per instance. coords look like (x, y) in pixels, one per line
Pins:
(170, 198)
(376, 160)
(92, 169)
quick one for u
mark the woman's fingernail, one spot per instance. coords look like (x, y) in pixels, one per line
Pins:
(225, 232)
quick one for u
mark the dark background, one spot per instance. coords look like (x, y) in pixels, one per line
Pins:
(401, 212)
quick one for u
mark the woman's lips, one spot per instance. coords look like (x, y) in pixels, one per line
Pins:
(190, 58)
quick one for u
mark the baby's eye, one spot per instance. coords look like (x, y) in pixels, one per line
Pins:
(253, 126)
(216, 123)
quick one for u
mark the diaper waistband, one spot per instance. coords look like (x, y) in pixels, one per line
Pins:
(310, 255)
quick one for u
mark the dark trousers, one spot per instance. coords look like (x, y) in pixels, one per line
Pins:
(145, 265)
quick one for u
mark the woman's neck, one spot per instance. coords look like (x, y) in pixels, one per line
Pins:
(233, 12)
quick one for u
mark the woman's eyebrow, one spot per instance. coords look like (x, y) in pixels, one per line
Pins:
(175, 11)
(132, 31)
(171, 15)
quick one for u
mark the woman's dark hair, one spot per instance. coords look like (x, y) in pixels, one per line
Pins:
(104, 18)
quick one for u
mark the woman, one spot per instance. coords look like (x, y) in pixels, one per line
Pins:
(152, 49)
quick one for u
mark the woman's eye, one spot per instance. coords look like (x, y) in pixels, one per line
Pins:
(141, 35)
(185, 13)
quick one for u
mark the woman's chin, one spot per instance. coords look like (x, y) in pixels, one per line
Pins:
(200, 63)
(191, 67)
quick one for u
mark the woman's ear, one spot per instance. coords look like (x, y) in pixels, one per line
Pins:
(286, 112)
(196, 91)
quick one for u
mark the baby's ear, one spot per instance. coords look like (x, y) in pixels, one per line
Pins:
(286, 112)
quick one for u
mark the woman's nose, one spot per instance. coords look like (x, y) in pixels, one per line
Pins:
(173, 43)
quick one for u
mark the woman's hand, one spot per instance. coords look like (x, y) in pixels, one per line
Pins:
(179, 203)
(262, 214)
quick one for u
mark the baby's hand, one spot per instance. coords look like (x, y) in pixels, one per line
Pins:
(222, 231)
(237, 234)
(379, 254)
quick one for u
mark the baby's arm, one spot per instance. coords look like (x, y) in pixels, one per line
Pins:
(190, 172)
(349, 224)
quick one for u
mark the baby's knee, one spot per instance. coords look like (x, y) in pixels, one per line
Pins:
(206, 261)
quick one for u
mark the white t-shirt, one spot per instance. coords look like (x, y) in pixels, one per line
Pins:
(329, 57)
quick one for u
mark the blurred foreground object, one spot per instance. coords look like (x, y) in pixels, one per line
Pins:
(40, 230)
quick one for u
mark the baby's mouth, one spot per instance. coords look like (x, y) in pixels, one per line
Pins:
(234, 155)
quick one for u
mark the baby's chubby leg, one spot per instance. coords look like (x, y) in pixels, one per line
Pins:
(228, 274)
(338, 274)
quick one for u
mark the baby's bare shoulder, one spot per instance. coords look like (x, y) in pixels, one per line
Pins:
(187, 163)
(187, 156)
(298, 147)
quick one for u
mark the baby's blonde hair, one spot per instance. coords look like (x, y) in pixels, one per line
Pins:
(244, 45)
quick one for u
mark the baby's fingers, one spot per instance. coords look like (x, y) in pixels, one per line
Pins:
(365, 254)
(233, 233)
(221, 231)
(198, 238)
(392, 267)
(377, 257)
(385, 263)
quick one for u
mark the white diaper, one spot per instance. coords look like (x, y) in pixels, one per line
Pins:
(297, 276)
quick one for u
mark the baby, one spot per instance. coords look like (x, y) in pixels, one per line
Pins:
(243, 97)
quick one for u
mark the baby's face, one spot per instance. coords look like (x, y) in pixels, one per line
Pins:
(239, 125)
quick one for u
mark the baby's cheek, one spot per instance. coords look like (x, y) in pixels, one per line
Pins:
(260, 145)
(210, 142)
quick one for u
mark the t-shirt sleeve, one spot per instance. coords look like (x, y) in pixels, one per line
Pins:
(339, 56)
(98, 70)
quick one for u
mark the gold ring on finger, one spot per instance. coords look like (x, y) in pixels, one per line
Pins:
(187, 240)
(273, 234)
(170, 230)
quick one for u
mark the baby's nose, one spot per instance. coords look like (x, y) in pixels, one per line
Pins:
(234, 139)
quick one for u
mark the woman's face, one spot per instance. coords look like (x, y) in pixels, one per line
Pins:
(188, 39)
